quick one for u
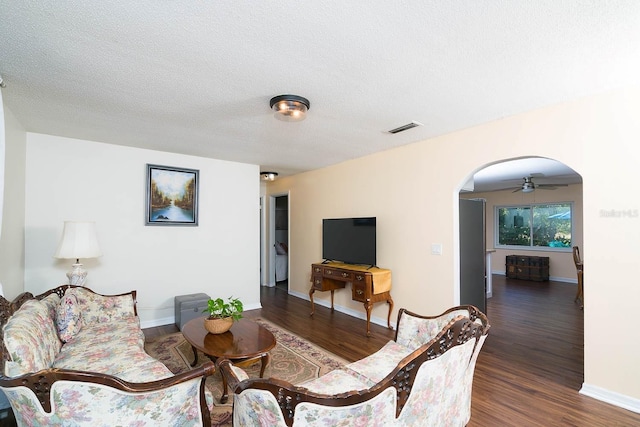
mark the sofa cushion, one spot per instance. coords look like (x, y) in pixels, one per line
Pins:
(103, 347)
(336, 382)
(103, 309)
(68, 317)
(31, 339)
(380, 364)
(380, 411)
(145, 368)
(115, 349)
(414, 331)
(51, 301)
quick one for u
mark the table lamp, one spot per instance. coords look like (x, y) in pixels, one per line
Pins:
(79, 240)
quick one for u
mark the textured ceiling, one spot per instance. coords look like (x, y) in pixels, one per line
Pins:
(196, 77)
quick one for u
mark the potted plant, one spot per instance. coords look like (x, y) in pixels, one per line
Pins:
(222, 314)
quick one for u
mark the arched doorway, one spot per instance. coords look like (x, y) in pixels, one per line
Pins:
(545, 181)
(506, 190)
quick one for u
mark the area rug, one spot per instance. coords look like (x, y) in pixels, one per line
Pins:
(293, 359)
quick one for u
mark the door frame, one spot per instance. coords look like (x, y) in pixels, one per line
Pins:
(269, 277)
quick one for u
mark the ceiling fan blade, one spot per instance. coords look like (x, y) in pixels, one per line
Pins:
(551, 186)
(516, 190)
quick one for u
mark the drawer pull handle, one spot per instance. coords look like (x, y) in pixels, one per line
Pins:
(359, 292)
(317, 282)
(359, 277)
(329, 272)
(317, 270)
(345, 274)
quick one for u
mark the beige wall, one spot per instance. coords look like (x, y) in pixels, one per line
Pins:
(561, 266)
(12, 237)
(414, 190)
(70, 179)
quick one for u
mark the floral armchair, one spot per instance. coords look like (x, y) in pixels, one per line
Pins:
(422, 378)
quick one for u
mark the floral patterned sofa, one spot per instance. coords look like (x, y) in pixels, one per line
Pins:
(74, 357)
(422, 378)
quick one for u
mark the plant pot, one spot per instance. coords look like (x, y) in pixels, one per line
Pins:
(218, 325)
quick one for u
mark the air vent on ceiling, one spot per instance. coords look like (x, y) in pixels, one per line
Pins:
(405, 127)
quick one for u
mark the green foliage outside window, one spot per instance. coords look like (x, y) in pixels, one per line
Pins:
(543, 225)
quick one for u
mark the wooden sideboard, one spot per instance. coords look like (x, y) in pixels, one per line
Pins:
(368, 285)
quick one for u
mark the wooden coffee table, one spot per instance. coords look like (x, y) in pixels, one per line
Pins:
(243, 344)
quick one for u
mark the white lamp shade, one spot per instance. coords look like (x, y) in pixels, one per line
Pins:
(79, 240)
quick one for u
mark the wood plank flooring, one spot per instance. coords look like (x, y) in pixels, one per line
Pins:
(528, 372)
(530, 369)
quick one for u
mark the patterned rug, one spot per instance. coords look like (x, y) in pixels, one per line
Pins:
(293, 359)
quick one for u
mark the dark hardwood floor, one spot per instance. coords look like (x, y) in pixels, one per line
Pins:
(528, 373)
(530, 369)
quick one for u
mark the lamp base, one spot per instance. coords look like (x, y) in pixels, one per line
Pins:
(78, 275)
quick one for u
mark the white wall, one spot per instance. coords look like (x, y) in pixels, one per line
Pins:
(414, 190)
(12, 238)
(71, 179)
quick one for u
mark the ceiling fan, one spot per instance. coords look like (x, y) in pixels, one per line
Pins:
(528, 186)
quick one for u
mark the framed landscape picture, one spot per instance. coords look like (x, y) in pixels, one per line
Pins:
(172, 196)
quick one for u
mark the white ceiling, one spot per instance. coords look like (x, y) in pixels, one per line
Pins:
(196, 77)
(511, 174)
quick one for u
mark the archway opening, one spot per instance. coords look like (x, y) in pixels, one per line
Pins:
(530, 309)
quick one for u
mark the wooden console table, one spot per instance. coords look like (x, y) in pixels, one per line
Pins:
(368, 285)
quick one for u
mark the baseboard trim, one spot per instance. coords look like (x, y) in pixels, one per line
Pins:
(564, 280)
(255, 306)
(348, 311)
(157, 322)
(611, 397)
(171, 320)
(554, 278)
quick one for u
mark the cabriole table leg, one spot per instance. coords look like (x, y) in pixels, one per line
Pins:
(311, 291)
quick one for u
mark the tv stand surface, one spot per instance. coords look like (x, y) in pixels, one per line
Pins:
(328, 261)
(368, 285)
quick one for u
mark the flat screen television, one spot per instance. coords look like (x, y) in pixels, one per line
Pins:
(349, 240)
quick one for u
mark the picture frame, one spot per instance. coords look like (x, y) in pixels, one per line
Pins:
(171, 196)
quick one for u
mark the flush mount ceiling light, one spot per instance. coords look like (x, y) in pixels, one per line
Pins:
(268, 176)
(290, 108)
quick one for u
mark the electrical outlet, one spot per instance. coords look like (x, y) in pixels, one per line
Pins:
(436, 249)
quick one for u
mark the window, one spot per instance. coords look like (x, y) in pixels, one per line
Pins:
(536, 226)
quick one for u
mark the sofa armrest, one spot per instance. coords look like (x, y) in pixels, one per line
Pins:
(59, 396)
(233, 374)
(279, 400)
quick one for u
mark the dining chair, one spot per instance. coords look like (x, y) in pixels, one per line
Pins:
(580, 270)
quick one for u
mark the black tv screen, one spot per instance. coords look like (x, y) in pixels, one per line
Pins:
(349, 240)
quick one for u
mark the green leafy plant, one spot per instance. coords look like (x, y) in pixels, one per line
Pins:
(219, 309)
